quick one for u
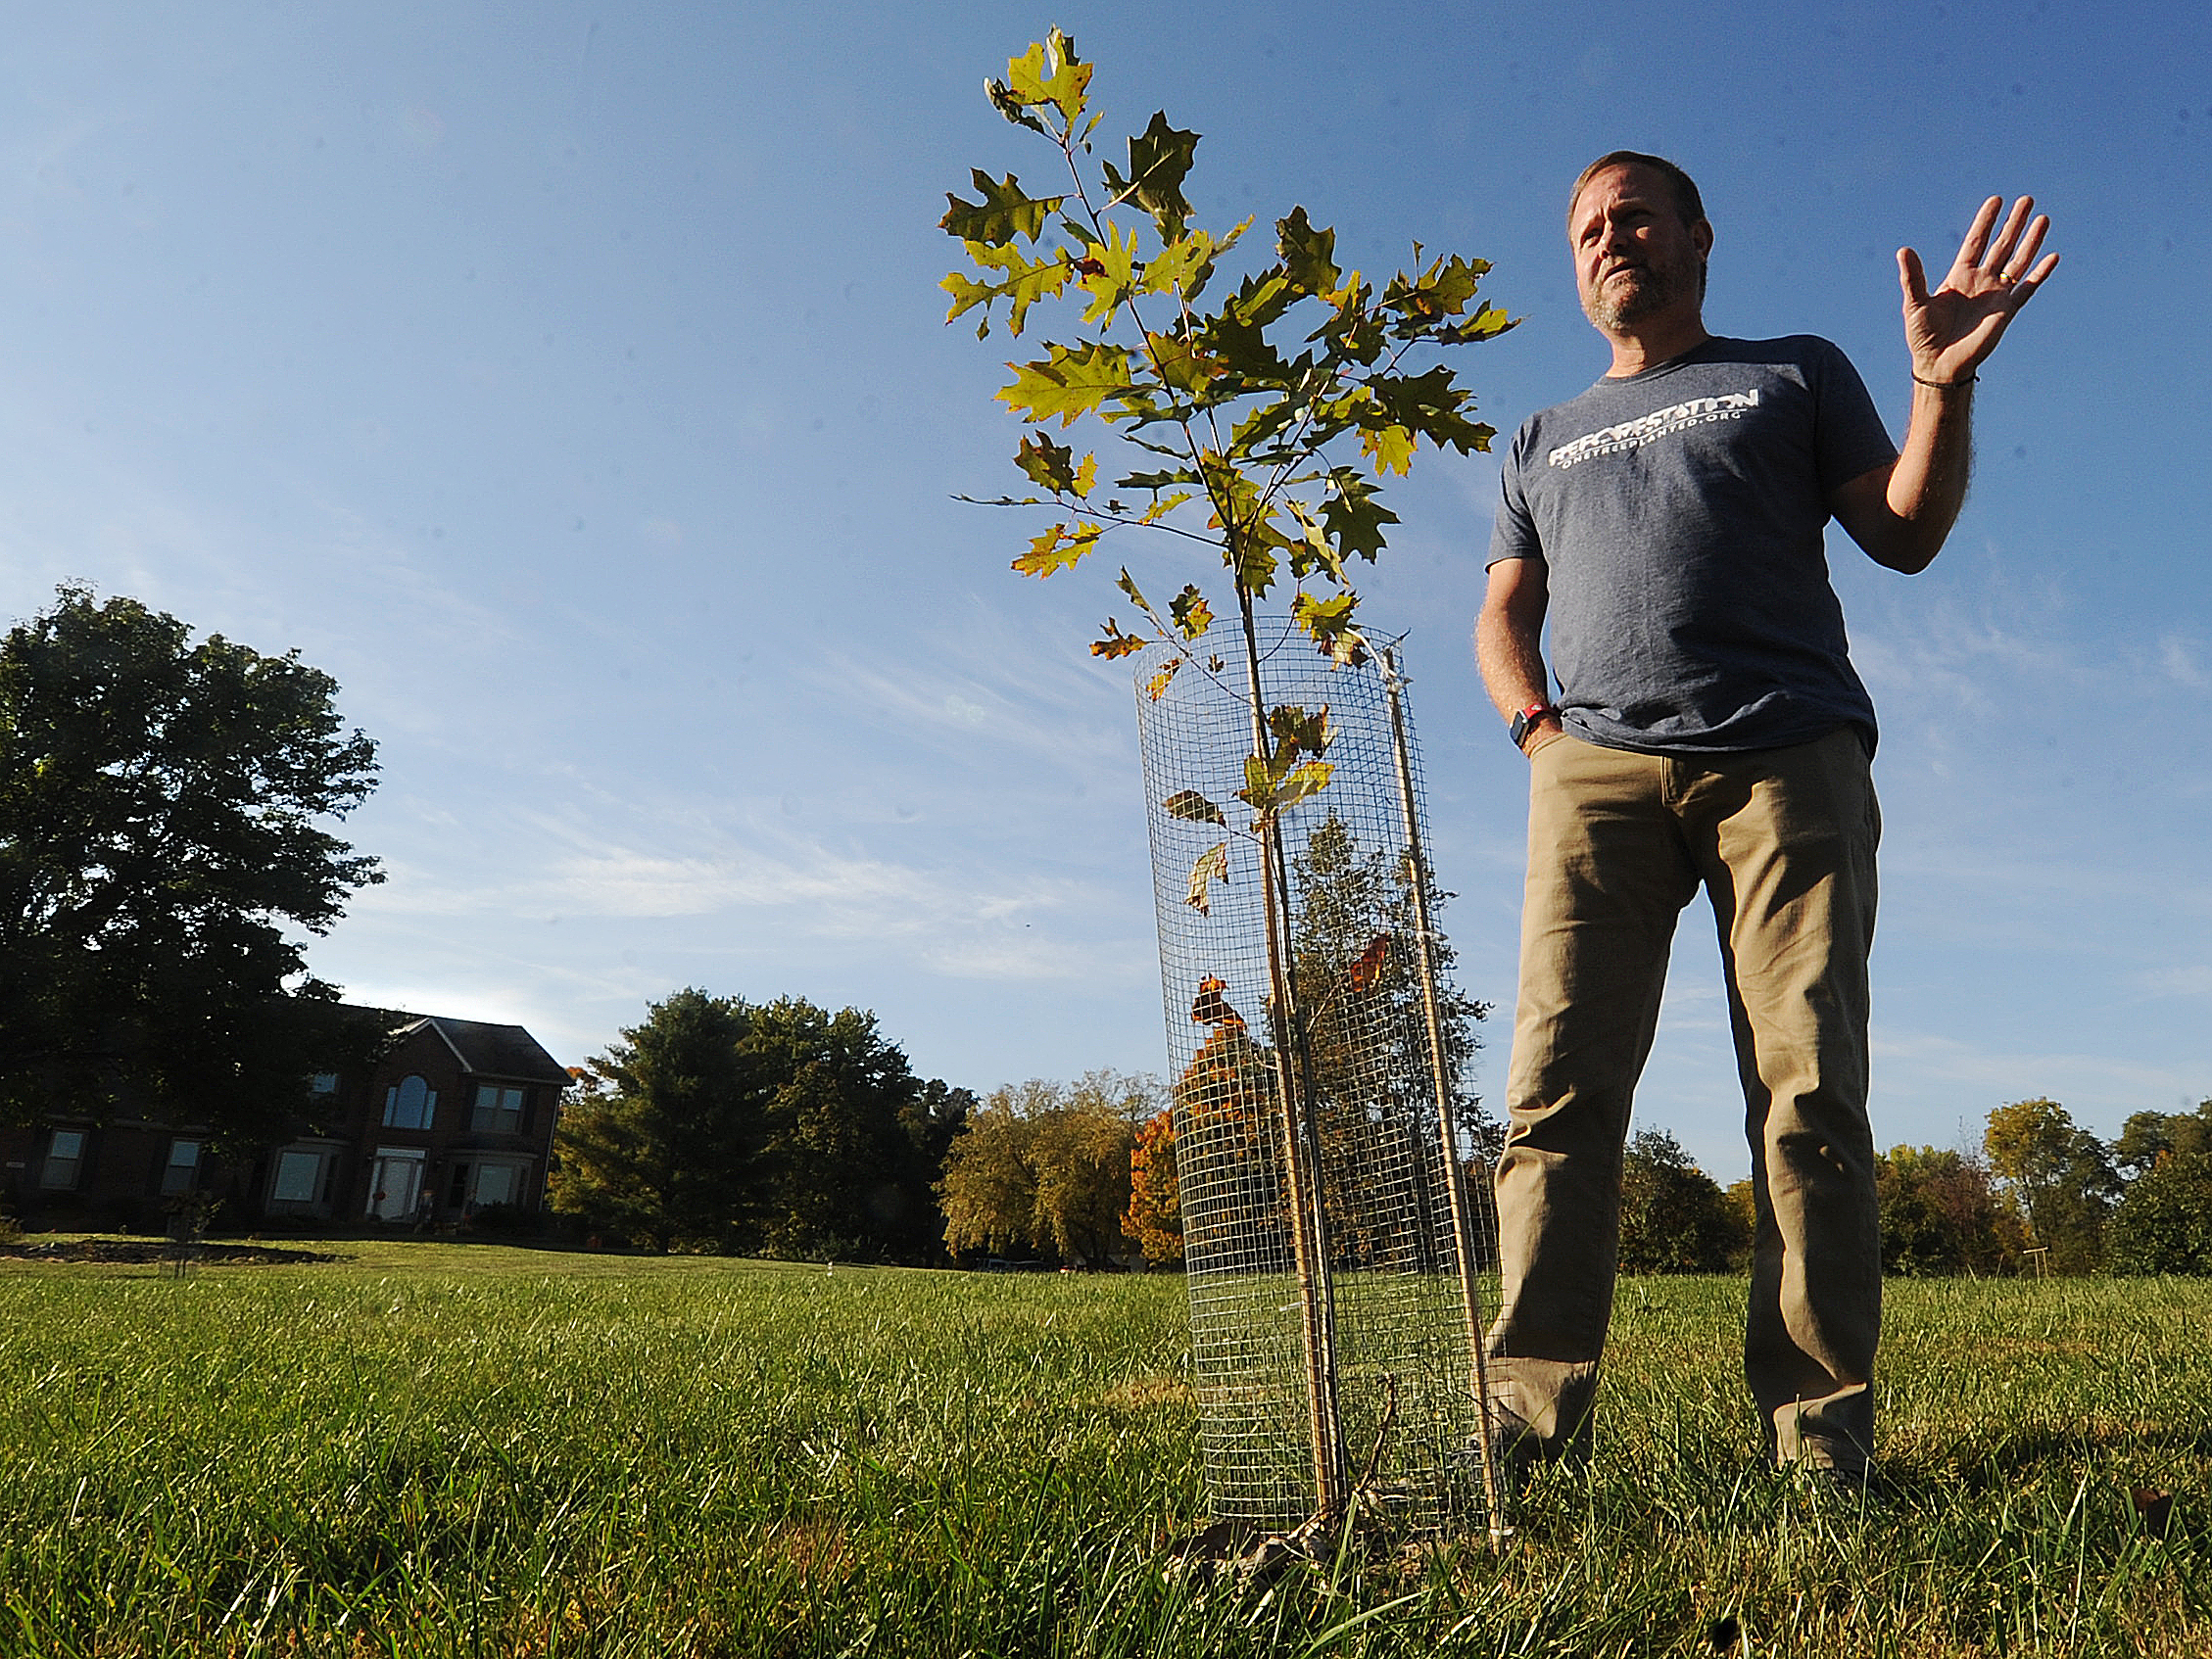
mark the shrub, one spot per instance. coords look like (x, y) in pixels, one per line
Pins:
(1674, 1218)
(2164, 1224)
(1942, 1215)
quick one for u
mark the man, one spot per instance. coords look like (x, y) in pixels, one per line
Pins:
(1708, 731)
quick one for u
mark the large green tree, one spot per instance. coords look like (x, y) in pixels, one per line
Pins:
(659, 1142)
(2164, 1220)
(2061, 1177)
(162, 844)
(721, 1125)
(2148, 1137)
(853, 1141)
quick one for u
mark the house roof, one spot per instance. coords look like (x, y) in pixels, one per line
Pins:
(487, 1050)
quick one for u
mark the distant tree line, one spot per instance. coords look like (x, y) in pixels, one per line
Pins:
(783, 1129)
(2041, 1195)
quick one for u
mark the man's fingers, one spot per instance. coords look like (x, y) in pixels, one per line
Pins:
(1911, 278)
(2023, 259)
(2025, 288)
(1978, 233)
(2016, 221)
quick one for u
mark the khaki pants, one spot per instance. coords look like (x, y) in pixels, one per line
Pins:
(1783, 841)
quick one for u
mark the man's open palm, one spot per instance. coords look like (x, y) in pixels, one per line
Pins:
(1951, 331)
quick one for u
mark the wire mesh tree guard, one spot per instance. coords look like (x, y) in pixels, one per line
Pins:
(1338, 1235)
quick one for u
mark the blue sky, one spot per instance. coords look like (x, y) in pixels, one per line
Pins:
(571, 384)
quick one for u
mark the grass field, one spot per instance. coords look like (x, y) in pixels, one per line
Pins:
(433, 1449)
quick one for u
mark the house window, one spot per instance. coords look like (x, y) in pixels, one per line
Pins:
(497, 1108)
(65, 1161)
(396, 1183)
(182, 1172)
(298, 1176)
(456, 1187)
(410, 1104)
(323, 1083)
(494, 1183)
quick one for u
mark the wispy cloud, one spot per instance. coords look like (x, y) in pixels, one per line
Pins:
(962, 919)
(2194, 980)
(2178, 658)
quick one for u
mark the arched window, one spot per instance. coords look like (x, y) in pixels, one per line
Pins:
(410, 1104)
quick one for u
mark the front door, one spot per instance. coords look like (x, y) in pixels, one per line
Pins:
(396, 1184)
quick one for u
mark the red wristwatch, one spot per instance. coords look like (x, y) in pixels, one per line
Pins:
(1525, 721)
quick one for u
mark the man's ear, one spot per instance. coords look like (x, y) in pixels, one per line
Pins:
(1701, 235)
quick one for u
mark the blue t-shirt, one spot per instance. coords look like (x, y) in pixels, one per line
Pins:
(1680, 513)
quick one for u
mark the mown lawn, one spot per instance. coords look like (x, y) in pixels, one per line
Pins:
(433, 1449)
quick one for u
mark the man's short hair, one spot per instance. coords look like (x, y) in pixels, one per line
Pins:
(1687, 202)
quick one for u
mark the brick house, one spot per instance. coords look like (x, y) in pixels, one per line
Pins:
(454, 1116)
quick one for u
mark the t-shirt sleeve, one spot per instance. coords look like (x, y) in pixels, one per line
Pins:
(1513, 532)
(1851, 439)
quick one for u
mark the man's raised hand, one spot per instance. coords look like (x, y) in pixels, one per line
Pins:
(1951, 331)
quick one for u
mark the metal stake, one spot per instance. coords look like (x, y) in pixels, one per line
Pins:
(1394, 680)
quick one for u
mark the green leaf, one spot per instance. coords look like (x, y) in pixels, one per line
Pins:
(1325, 620)
(1312, 550)
(1251, 555)
(1267, 797)
(1259, 783)
(1109, 272)
(1027, 281)
(1262, 298)
(1003, 213)
(1250, 539)
(1441, 292)
(1191, 805)
(1179, 267)
(1058, 548)
(1354, 334)
(1158, 479)
(1164, 506)
(1192, 615)
(1392, 448)
(967, 294)
(1178, 363)
(1159, 161)
(1054, 467)
(1069, 383)
(1297, 731)
(1048, 72)
(1309, 256)
(1354, 517)
(1212, 866)
(1266, 422)
(1486, 324)
(1007, 103)
(1127, 585)
(1431, 405)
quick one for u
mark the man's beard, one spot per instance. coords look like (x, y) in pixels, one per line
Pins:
(1653, 290)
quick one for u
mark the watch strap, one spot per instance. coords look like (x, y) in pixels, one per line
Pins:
(1525, 721)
